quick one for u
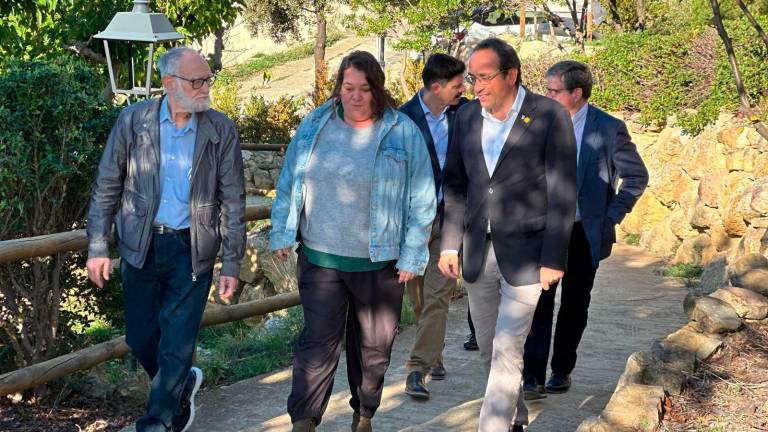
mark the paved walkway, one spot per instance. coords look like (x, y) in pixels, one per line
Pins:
(631, 306)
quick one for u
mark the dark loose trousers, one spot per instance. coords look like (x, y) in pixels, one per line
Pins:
(163, 310)
(571, 318)
(366, 304)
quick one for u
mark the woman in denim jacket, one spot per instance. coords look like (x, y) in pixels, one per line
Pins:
(357, 192)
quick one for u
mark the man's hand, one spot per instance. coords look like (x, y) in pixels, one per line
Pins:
(548, 276)
(227, 286)
(98, 270)
(283, 254)
(405, 276)
(449, 265)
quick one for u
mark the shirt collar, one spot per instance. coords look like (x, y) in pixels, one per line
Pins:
(165, 116)
(515, 108)
(581, 114)
(426, 108)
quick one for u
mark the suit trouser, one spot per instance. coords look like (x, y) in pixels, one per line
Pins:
(435, 291)
(163, 310)
(502, 316)
(367, 305)
(571, 318)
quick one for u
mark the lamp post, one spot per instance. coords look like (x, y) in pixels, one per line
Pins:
(140, 26)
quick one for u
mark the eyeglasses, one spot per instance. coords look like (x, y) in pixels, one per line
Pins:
(472, 79)
(198, 82)
(557, 91)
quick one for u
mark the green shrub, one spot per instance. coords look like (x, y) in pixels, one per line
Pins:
(257, 120)
(54, 128)
(683, 270)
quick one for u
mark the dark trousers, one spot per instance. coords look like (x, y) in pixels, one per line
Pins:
(367, 305)
(571, 318)
(163, 309)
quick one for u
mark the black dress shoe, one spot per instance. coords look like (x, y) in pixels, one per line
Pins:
(414, 386)
(471, 343)
(516, 428)
(532, 390)
(558, 383)
(438, 372)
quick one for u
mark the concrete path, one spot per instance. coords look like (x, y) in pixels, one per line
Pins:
(631, 306)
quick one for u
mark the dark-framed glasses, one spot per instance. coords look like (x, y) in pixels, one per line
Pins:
(198, 82)
(474, 79)
(557, 91)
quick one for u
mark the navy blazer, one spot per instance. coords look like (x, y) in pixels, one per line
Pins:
(529, 201)
(413, 109)
(607, 154)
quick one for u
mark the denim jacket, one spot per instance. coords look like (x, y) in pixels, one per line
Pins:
(402, 195)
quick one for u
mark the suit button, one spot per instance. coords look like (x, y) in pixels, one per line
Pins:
(490, 190)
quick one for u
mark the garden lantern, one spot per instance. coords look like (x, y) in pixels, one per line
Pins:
(140, 26)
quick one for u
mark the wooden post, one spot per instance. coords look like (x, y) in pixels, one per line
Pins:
(263, 147)
(86, 358)
(522, 22)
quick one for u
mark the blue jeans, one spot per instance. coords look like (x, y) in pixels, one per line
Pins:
(163, 310)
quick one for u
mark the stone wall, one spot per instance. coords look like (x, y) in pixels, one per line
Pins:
(707, 199)
(262, 168)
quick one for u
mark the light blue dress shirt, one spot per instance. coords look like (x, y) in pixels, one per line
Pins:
(495, 132)
(438, 128)
(177, 148)
(579, 120)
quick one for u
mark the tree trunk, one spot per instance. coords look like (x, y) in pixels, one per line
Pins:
(733, 62)
(754, 22)
(613, 8)
(579, 33)
(640, 10)
(218, 49)
(320, 67)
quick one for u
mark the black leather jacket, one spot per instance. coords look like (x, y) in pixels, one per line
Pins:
(127, 190)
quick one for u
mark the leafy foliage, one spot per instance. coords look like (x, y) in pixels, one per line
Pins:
(54, 127)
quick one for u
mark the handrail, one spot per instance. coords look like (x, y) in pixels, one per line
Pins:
(50, 244)
(43, 372)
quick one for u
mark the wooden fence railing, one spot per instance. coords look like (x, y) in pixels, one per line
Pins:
(40, 373)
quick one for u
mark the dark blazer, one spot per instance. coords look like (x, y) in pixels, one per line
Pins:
(607, 154)
(530, 199)
(413, 109)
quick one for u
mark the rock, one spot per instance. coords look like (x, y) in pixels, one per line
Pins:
(249, 266)
(262, 180)
(701, 345)
(733, 215)
(691, 250)
(635, 407)
(751, 138)
(741, 160)
(715, 274)
(647, 212)
(671, 183)
(282, 274)
(595, 424)
(680, 225)
(749, 262)
(755, 280)
(759, 199)
(704, 217)
(659, 369)
(748, 304)
(711, 186)
(761, 165)
(660, 239)
(735, 184)
(755, 240)
(761, 222)
(669, 146)
(729, 137)
(704, 155)
(711, 315)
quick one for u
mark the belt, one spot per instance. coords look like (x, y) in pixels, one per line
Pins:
(162, 229)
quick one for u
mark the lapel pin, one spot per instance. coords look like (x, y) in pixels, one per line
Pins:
(526, 119)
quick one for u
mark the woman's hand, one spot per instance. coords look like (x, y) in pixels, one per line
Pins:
(405, 276)
(283, 254)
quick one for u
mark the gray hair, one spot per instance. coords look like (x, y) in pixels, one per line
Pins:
(574, 75)
(169, 62)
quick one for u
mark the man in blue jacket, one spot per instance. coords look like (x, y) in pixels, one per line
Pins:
(605, 155)
(433, 109)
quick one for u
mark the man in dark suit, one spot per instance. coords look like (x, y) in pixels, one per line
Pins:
(510, 200)
(606, 155)
(433, 109)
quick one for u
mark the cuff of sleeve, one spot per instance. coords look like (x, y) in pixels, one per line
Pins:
(98, 249)
(449, 251)
(230, 268)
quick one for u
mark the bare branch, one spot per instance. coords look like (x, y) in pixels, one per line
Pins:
(83, 50)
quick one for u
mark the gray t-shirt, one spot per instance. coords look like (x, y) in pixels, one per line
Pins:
(337, 205)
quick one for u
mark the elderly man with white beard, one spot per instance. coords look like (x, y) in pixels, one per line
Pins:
(171, 181)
